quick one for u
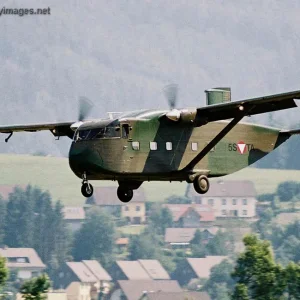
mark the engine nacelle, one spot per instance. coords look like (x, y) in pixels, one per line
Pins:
(183, 115)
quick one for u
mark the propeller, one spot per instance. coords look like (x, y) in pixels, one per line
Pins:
(171, 92)
(85, 106)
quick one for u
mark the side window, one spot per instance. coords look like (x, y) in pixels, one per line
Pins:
(135, 145)
(194, 146)
(153, 146)
(169, 146)
(234, 201)
(224, 202)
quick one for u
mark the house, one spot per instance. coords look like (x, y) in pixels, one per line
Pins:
(236, 198)
(136, 289)
(24, 261)
(83, 280)
(74, 217)
(181, 237)
(191, 215)
(122, 244)
(143, 269)
(197, 268)
(175, 296)
(134, 211)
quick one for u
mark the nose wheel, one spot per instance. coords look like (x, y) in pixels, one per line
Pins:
(86, 188)
(124, 194)
(201, 184)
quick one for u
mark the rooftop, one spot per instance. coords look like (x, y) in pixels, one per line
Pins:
(83, 273)
(133, 270)
(98, 271)
(178, 296)
(134, 289)
(154, 268)
(202, 266)
(205, 212)
(185, 235)
(22, 258)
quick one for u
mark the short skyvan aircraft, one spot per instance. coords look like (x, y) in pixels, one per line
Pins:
(189, 144)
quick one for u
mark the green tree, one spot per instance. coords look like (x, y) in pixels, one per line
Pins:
(95, 239)
(19, 226)
(257, 274)
(220, 281)
(142, 246)
(240, 292)
(160, 219)
(287, 190)
(2, 219)
(35, 288)
(3, 272)
(220, 244)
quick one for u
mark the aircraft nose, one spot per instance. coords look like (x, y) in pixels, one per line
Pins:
(83, 158)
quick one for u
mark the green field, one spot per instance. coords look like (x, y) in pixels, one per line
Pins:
(54, 174)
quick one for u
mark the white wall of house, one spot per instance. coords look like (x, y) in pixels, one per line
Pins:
(232, 206)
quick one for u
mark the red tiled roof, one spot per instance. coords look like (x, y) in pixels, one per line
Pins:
(122, 241)
(205, 212)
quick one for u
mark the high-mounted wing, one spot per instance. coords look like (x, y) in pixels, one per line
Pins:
(253, 106)
(57, 129)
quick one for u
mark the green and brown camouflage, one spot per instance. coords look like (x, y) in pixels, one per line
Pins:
(116, 157)
(172, 145)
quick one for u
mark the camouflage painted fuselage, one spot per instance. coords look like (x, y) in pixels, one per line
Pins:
(114, 157)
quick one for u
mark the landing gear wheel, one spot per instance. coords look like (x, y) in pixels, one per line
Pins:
(125, 195)
(201, 184)
(87, 189)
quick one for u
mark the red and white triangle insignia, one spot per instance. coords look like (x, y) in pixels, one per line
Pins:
(241, 147)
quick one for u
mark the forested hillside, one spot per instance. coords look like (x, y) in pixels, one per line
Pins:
(121, 54)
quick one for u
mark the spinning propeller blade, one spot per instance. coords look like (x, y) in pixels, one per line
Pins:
(85, 106)
(171, 92)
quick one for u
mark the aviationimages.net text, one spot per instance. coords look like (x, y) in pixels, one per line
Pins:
(24, 11)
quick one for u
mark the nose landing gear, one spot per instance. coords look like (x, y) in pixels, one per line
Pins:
(86, 188)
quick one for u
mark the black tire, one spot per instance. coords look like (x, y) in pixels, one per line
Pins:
(125, 195)
(201, 184)
(87, 190)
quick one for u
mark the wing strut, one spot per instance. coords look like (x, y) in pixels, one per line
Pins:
(216, 139)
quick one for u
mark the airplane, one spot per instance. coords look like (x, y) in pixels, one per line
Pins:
(189, 144)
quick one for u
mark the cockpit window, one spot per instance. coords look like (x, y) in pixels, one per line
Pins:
(97, 133)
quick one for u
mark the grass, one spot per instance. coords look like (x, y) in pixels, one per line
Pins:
(54, 174)
(133, 229)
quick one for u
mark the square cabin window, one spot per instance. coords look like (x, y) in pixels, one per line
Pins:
(169, 146)
(136, 145)
(153, 146)
(194, 146)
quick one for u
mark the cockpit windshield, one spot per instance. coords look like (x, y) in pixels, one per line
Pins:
(97, 133)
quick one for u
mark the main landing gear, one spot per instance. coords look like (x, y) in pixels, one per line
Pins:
(124, 194)
(86, 188)
(201, 184)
